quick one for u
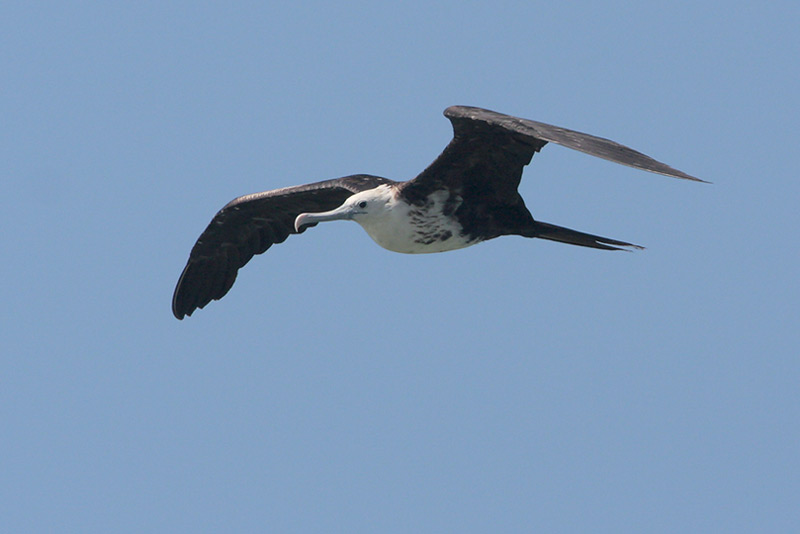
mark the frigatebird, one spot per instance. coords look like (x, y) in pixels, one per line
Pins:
(467, 195)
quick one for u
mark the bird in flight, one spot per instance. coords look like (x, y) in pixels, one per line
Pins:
(467, 195)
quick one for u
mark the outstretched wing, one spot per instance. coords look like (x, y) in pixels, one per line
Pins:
(249, 225)
(590, 144)
(489, 150)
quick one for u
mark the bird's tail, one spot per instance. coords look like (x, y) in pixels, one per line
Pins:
(573, 237)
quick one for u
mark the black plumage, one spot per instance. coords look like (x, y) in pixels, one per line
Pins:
(249, 225)
(480, 170)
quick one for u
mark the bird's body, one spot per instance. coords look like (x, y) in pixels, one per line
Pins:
(399, 226)
(467, 195)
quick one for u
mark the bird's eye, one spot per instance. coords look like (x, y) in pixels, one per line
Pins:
(362, 204)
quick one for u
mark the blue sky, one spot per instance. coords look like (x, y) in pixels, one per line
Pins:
(515, 386)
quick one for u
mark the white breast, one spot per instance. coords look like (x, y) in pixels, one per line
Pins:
(409, 229)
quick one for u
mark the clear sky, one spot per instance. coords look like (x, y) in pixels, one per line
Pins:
(515, 386)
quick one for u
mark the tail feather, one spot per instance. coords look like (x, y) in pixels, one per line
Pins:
(573, 237)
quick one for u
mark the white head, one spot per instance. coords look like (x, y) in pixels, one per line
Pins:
(363, 207)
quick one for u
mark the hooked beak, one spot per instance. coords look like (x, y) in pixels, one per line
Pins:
(343, 212)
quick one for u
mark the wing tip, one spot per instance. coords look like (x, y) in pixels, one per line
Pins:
(185, 298)
(180, 309)
(675, 173)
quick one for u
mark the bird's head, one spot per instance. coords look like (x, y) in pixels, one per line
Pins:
(362, 207)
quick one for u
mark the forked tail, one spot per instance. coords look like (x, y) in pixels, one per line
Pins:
(573, 237)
